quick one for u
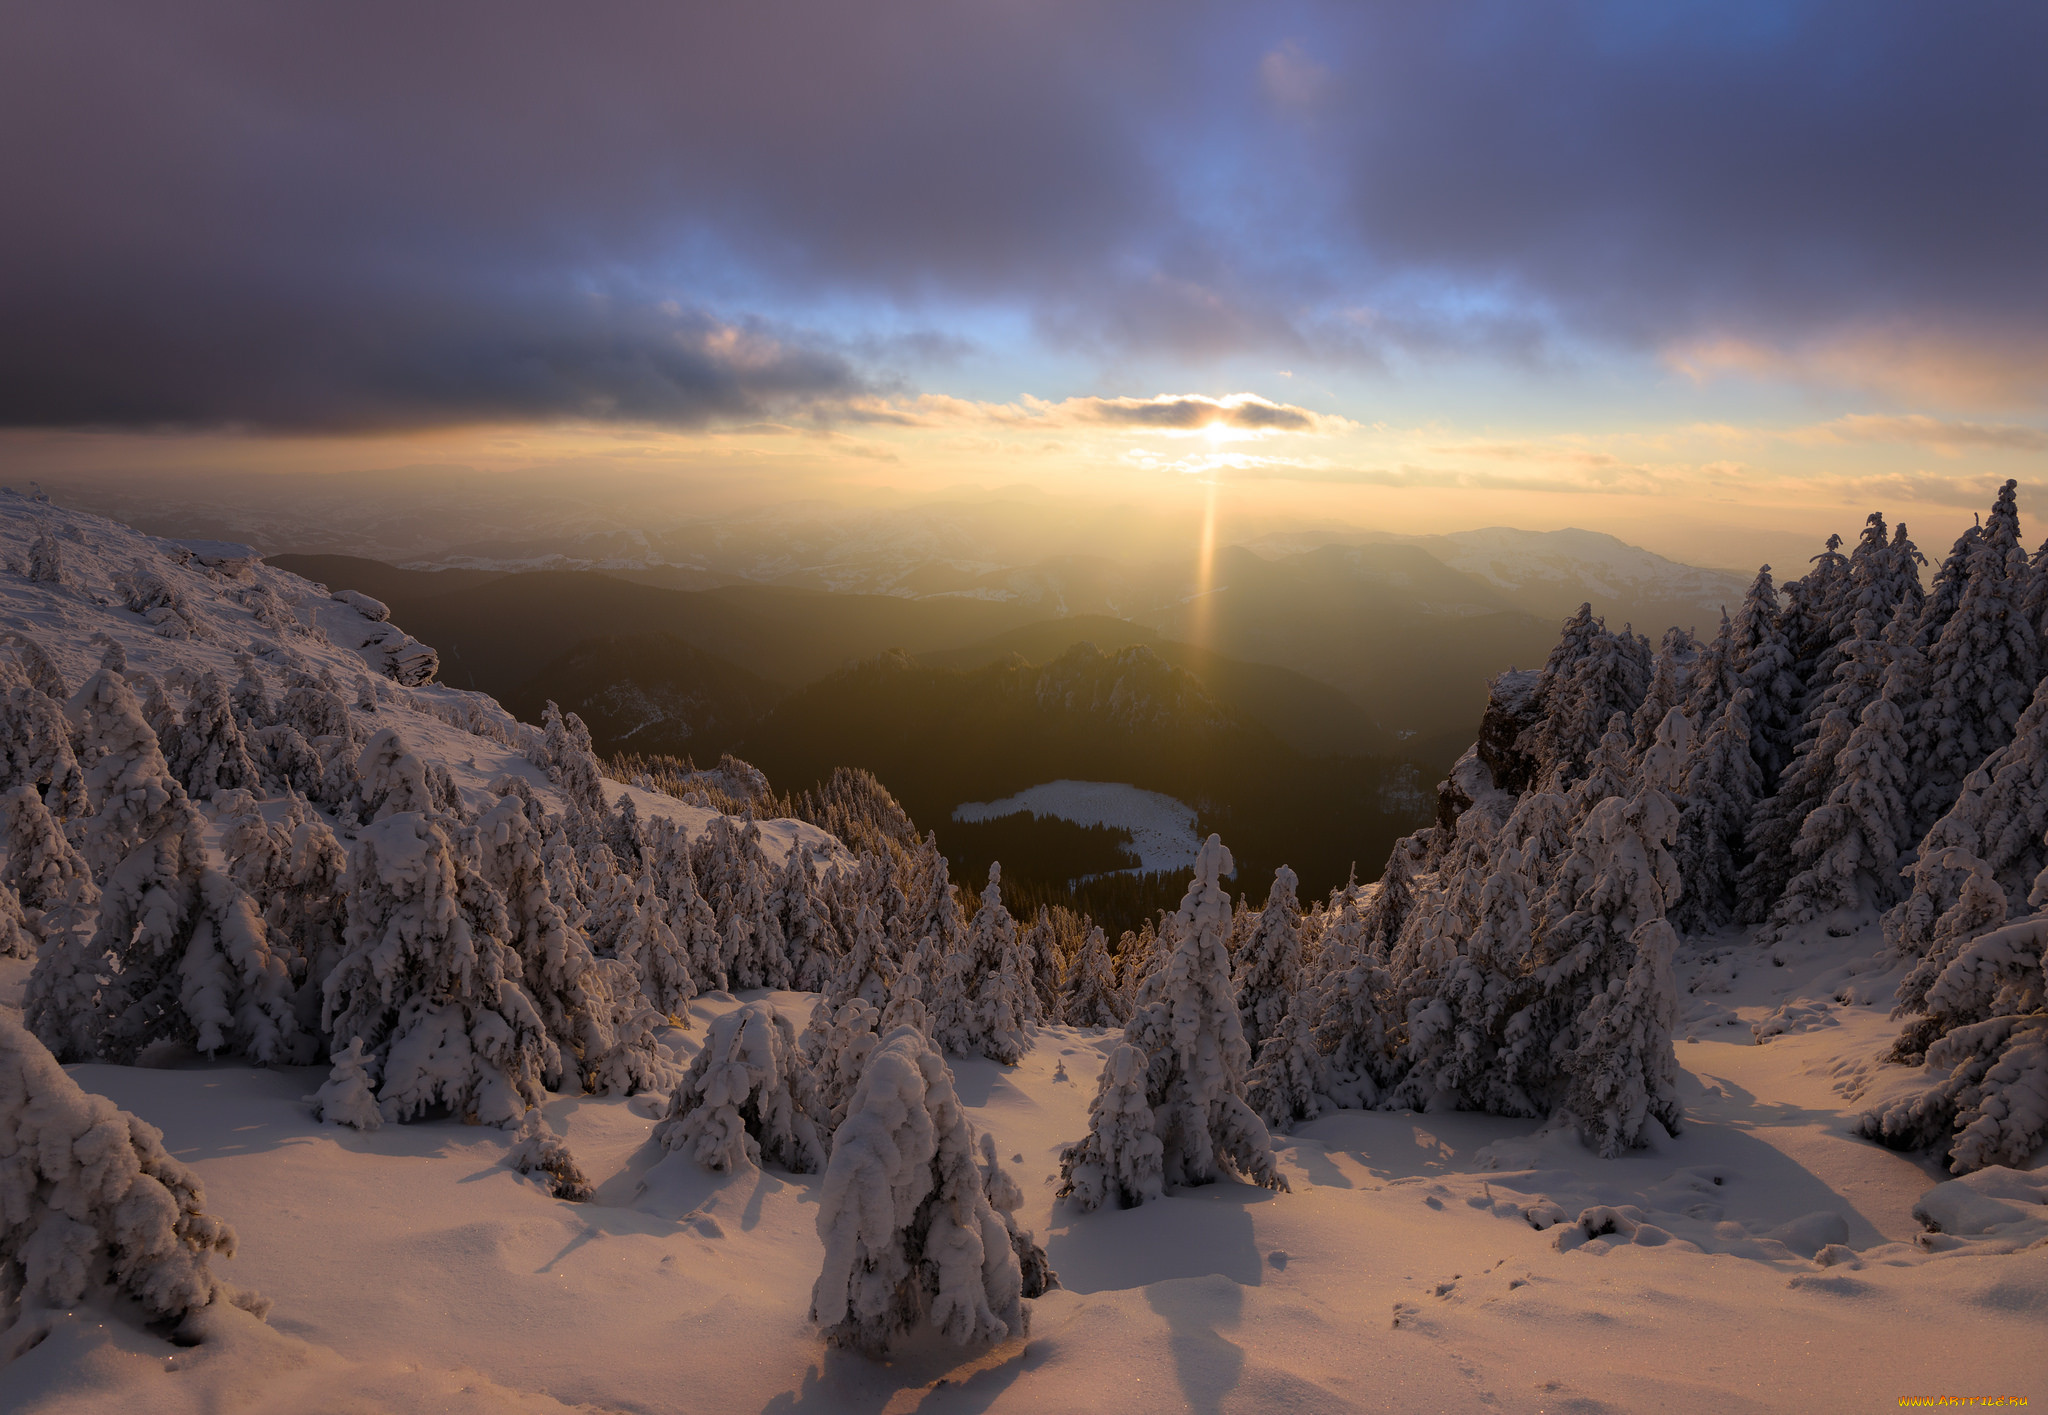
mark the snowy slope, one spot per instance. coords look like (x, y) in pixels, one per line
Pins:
(227, 602)
(409, 1268)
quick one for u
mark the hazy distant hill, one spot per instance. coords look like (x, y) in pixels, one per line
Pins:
(941, 736)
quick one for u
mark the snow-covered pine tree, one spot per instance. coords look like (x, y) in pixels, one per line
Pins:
(207, 752)
(183, 952)
(1593, 1038)
(1715, 676)
(349, 1094)
(983, 1010)
(250, 697)
(41, 868)
(1137, 958)
(1186, 1026)
(1983, 1033)
(1670, 685)
(734, 879)
(1591, 676)
(1353, 988)
(1999, 816)
(35, 745)
(1122, 1160)
(91, 1203)
(1982, 670)
(1091, 997)
(1005, 1196)
(571, 762)
(393, 778)
(1848, 849)
(806, 921)
(657, 957)
(1766, 663)
(1609, 769)
(1717, 797)
(860, 897)
(1269, 967)
(836, 1045)
(1038, 956)
(1385, 909)
(1809, 778)
(37, 666)
(695, 928)
(430, 984)
(1287, 1081)
(593, 1014)
(911, 1241)
(747, 1098)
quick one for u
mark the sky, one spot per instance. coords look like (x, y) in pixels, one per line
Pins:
(1712, 277)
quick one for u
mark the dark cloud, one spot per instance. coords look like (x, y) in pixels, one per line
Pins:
(389, 214)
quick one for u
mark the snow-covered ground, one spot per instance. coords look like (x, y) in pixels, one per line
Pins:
(1162, 829)
(1765, 1259)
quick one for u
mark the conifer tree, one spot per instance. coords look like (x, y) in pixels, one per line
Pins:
(1716, 799)
(1268, 970)
(1774, 825)
(747, 1098)
(1716, 675)
(1091, 997)
(1670, 685)
(806, 921)
(1766, 664)
(572, 763)
(657, 957)
(911, 1240)
(208, 753)
(1186, 1027)
(983, 1010)
(91, 1202)
(593, 1013)
(430, 983)
(1122, 1161)
(1982, 670)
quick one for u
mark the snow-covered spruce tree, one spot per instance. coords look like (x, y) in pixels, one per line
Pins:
(1269, 967)
(179, 953)
(596, 1015)
(1138, 955)
(1981, 672)
(1979, 909)
(45, 559)
(836, 1045)
(806, 920)
(983, 1009)
(1715, 675)
(1609, 769)
(911, 1240)
(1859, 668)
(1983, 1035)
(1005, 1196)
(91, 1203)
(1717, 797)
(430, 984)
(35, 745)
(207, 752)
(1122, 1161)
(571, 762)
(1038, 956)
(862, 898)
(1287, 1081)
(1385, 910)
(1766, 664)
(695, 928)
(37, 666)
(1848, 849)
(660, 959)
(1593, 1037)
(393, 778)
(40, 867)
(1999, 816)
(1591, 675)
(349, 1094)
(747, 1098)
(1186, 1026)
(1090, 997)
(250, 696)
(1350, 1020)
(1670, 684)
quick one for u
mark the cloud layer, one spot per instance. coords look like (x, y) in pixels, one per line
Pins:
(389, 215)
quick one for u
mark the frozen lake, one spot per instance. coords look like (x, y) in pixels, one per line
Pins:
(1162, 829)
